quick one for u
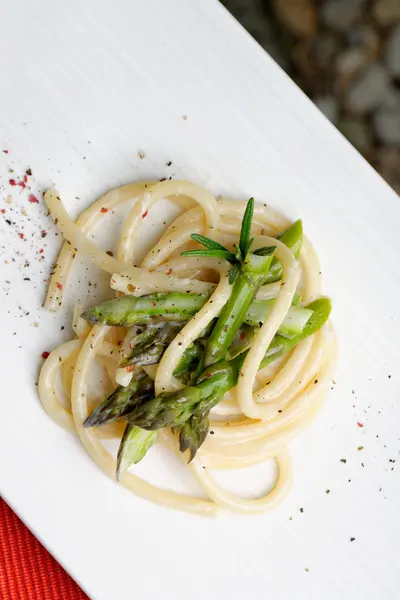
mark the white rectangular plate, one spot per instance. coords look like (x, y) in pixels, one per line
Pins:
(85, 87)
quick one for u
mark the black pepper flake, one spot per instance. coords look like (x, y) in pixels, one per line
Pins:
(179, 343)
(29, 172)
(302, 510)
(62, 327)
(212, 432)
(169, 163)
(327, 491)
(343, 460)
(8, 221)
(26, 279)
(352, 539)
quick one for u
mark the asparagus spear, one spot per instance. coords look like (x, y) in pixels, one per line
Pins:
(292, 324)
(191, 364)
(174, 409)
(292, 237)
(129, 310)
(194, 432)
(185, 306)
(134, 445)
(251, 276)
(123, 400)
(149, 345)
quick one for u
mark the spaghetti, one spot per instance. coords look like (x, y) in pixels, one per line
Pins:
(258, 418)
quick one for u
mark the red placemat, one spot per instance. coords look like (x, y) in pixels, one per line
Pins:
(27, 570)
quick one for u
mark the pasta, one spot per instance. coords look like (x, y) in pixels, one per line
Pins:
(257, 418)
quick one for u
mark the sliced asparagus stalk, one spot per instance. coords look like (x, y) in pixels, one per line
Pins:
(252, 275)
(292, 237)
(292, 325)
(129, 310)
(134, 445)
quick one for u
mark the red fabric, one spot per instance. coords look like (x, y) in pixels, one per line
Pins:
(27, 570)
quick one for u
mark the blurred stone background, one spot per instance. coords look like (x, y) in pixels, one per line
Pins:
(345, 55)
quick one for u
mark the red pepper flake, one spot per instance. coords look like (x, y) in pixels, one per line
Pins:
(41, 250)
(360, 424)
(21, 235)
(22, 184)
(59, 286)
(144, 215)
(242, 335)
(25, 178)
(169, 271)
(154, 303)
(5, 151)
(45, 355)
(104, 210)
(3, 210)
(12, 182)
(33, 199)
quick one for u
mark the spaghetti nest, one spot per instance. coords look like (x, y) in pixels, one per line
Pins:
(258, 379)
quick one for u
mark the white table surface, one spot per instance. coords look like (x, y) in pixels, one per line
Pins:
(85, 87)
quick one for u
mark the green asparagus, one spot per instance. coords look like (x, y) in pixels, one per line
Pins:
(174, 409)
(190, 304)
(292, 237)
(251, 276)
(134, 445)
(193, 433)
(149, 346)
(122, 401)
(129, 310)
